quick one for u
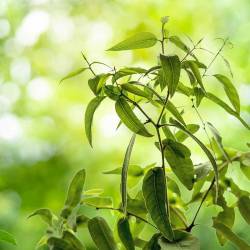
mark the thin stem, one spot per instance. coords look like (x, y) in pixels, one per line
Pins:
(129, 213)
(89, 64)
(216, 55)
(163, 108)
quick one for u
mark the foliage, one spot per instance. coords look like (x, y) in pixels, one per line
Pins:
(158, 203)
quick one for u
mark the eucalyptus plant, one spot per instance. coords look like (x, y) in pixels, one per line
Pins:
(158, 203)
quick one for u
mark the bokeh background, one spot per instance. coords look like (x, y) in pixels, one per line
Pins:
(42, 140)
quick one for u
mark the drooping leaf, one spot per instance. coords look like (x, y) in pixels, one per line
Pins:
(230, 90)
(113, 92)
(101, 234)
(73, 240)
(124, 174)
(74, 73)
(74, 193)
(45, 214)
(97, 83)
(187, 243)
(179, 43)
(218, 140)
(125, 234)
(181, 136)
(171, 67)
(178, 157)
(199, 94)
(98, 201)
(128, 117)
(154, 192)
(244, 207)
(227, 233)
(205, 150)
(89, 115)
(7, 237)
(222, 104)
(194, 66)
(134, 90)
(174, 111)
(137, 41)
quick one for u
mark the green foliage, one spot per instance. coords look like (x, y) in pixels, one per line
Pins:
(151, 196)
(7, 237)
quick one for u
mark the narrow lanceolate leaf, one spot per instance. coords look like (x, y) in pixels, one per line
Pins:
(244, 207)
(179, 43)
(45, 214)
(205, 150)
(154, 192)
(89, 115)
(98, 82)
(171, 67)
(124, 174)
(74, 193)
(230, 90)
(137, 41)
(128, 117)
(227, 233)
(7, 237)
(199, 94)
(101, 234)
(219, 102)
(134, 90)
(178, 157)
(98, 201)
(188, 243)
(59, 244)
(174, 111)
(153, 243)
(218, 140)
(73, 240)
(181, 136)
(195, 69)
(125, 234)
(74, 73)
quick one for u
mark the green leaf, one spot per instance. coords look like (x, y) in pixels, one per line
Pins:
(45, 214)
(178, 157)
(245, 167)
(128, 71)
(133, 170)
(74, 73)
(101, 234)
(59, 244)
(154, 192)
(244, 207)
(72, 240)
(171, 67)
(227, 217)
(166, 130)
(136, 206)
(89, 115)
(230, 90)
(194, 66)
(74, 193)
(134, 90)
(81, 220)
(137, 41)
(227, 233)
(98, 201)
(125, 234)
(128, 117)
(7, 237)
(219, 102)
(205, 150)
(113, 92)
(124, 174)
(218, 140)
(189, 242)
(153, 243)
(179, 43)
(174, 111)
(181, 136)
(98, 82)
(199, 94)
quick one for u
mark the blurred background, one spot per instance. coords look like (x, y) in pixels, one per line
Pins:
(42, 140)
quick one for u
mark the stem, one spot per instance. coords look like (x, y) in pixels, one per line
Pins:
(163, 108)
(129, 213)
(163, 39)
(89, 64)
(216, 55)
